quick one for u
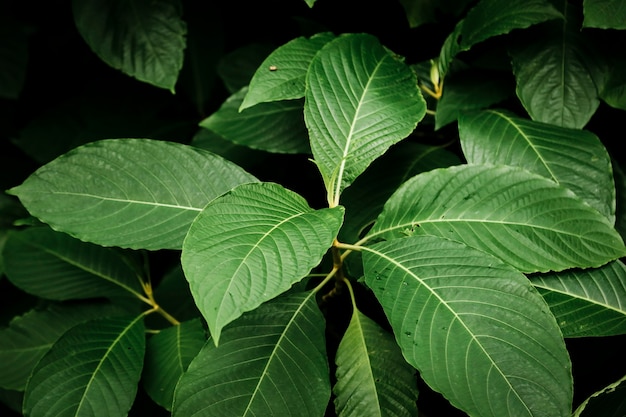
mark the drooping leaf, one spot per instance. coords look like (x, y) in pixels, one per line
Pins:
(93, 369)
(277, 126)
(608, 402)
(373, 378)
(143, 38)
(526, 220)
(360, 100)
(282, 74)
(56, 266)
(133, 193)
(29, 337)
(604, 14)
(589, 302)
(576, 159)
(251, 245)
(272, 362)
(168, 355)
(475, 328)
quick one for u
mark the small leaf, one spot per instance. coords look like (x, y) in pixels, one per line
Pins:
(272, 362)
(360, 100)
(590, 302)
(605, 14)
(168, 355)
(93, 369)
(249, 246)
(476, 329)
(133, 193)
(526, 220)
(143, 38)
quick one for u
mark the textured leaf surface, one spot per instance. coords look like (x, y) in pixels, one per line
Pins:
(524, 219)
(56, 266)
(575, 159)
(271, 362)
(134, 193)
(475, 328)
(360, 99)
(373, 379)
(277, 126)
(605, 14)
(282, 74)
(590, 302)
(93, 370)
(143, 38)
(251, 245)
(168, 355)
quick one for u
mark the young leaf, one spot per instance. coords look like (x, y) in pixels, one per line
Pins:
(360, 100)
(271, 362)
(133, 193)
(591, 302)
(604, 14)
(575, 159)
(526, 220)
(277, 126)
(282, 74)
(475, 328)
(373, 379)
(249, 246)
(93, 369)
(168, 355)
(143, 38)
(56, 266)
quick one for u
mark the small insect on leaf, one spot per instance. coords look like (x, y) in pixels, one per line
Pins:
(273, 68)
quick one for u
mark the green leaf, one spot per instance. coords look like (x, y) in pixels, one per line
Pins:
(29, 337)
(143, 38)
(92, 370)
(133, 193)
(168, 355)
(590, 302)
(251, 245)
(272, 362)
(373, 379)
(613, 90)
(282, 74)
(575, 159)
(476, 329)
(56, 266)
(608, 402)
(276, 126)
(526, 220)
(360, 100)
(604, 14)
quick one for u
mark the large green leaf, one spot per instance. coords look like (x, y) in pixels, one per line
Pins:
(605, 14)
(524, 219)
(143, 38)
(92, 370)
(373, 378)
(134, 193)
(282, 74)
(277, 126)
(29, 337)
(475, 328)
(251, 245)
(590, 302)
(575, 159)
(360, 99)
(168, 355)
(271, 362)
(56, 266)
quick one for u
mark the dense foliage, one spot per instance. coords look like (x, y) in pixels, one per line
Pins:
(312, 208)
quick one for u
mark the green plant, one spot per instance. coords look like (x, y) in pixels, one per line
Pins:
(348, 228)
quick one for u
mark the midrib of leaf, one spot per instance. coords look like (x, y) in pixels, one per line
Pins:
(120, 200)
(274, 351)
(590, 300)
(179, 350)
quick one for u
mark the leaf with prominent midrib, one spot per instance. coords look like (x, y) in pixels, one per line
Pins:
(250, 245)
(475, 328)
(528, 221)
(360, 99)
(133, 193)
(93, 369)
(589, 302)
(271, 362)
